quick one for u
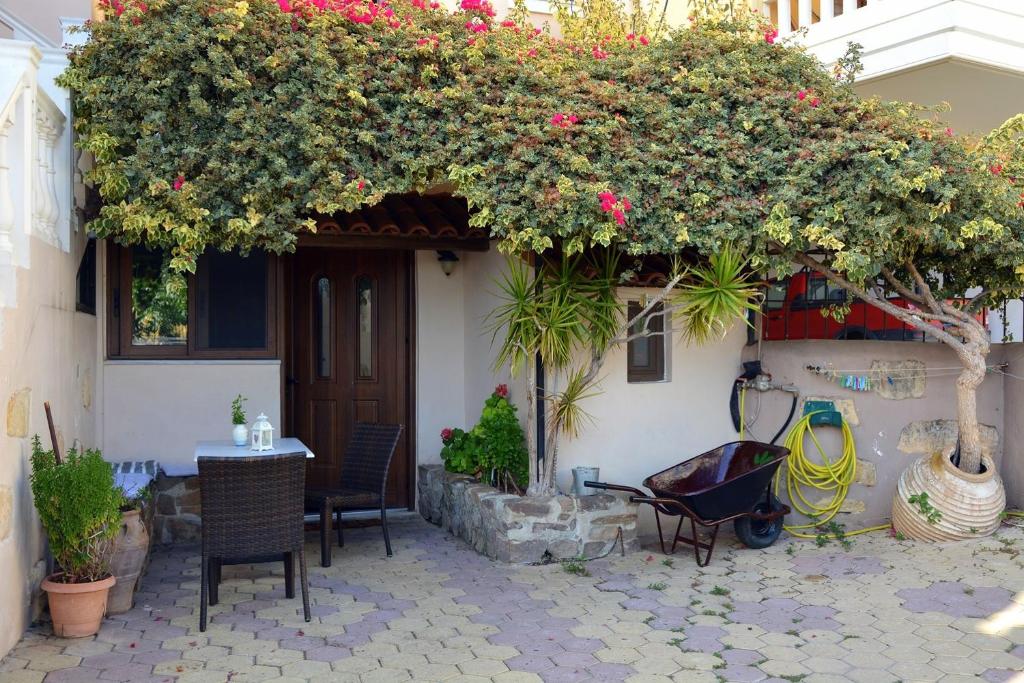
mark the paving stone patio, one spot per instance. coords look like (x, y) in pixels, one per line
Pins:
(884, 610)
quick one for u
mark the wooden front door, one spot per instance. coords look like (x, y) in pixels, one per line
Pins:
(350, 362)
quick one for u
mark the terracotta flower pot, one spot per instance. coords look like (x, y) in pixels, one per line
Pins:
(970, 504)
(129, 555)
(77, 608)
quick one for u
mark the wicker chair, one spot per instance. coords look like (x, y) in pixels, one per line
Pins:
(364, 476)
(252, 512)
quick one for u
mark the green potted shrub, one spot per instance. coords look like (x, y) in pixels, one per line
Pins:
(79, 507)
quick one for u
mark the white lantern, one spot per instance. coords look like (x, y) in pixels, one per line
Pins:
(262, 434)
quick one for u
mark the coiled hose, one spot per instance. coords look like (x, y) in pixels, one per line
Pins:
(827, 475)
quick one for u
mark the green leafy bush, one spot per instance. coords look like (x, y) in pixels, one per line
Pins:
(78, 505)
(494, 450)
(460, 451)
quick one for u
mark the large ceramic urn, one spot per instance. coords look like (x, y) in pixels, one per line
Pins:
(968, 505)
(130, 549)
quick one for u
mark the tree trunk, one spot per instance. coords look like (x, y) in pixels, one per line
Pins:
(972, 355)
(531, 425)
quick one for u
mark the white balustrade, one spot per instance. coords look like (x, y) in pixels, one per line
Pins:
(808, 12)
(35, 168)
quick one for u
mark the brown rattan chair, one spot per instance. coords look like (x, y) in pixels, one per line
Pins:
(252, 510)
(364, 476)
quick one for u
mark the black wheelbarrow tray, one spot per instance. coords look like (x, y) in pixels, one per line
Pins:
(729, 483)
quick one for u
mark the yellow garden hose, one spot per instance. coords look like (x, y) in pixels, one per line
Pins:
(835, 476)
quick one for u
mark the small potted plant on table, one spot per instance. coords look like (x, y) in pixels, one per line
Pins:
(240, 434)
(78, 505)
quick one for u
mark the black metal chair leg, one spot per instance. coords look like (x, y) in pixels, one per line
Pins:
(341, 536)
(214, 580)
(289, 575)
(384, 525)
(203, 571)
(325, 534)
(304, 584)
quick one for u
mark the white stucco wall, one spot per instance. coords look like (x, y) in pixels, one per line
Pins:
(159, 409)
(47, 353)
(440, 348)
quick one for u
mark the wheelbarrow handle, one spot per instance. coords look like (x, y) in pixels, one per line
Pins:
(614, 487)
(668, 506)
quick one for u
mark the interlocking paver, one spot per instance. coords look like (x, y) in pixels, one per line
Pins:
(437, 611)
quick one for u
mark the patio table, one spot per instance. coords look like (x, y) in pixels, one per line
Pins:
(227, 449)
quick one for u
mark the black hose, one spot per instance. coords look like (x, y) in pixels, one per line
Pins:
(792, 411)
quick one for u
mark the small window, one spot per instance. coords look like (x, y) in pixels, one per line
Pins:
(365, 338)
(225, 310)
(775, 298)
(85, 298)
(232, 300)
(645, 356)
(322, 326)
(159, 300)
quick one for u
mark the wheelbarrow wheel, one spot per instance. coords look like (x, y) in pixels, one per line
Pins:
(760, 533)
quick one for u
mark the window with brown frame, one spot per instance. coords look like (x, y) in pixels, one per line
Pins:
(645, 356)
(225, 310)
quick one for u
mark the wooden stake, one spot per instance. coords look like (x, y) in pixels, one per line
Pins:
(53, 432)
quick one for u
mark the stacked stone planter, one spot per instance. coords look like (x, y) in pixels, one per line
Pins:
(512, 528)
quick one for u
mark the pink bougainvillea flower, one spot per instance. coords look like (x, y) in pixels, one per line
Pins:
(996, 169)
(949, 132)
(815, 102)
(178, 182)
(360, 185)
(564, 120)
(599, 53)
(802, 95)
(770, 36)
(476, 26)
(284, 5)
(482, 6)
(620, 217)
(508, 23)
(625, 204)
(501, 390)
(644, 40)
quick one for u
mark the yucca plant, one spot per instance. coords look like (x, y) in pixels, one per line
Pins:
(569, 314)
(712, 295)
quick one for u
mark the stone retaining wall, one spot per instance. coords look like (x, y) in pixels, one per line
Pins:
(514, 528)
(177, 510)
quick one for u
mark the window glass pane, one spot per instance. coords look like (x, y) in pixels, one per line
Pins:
(817, 289)
(776, 297)
(364, 292)
(322, 326)
(232, 300)
(159, 300)
(641, 352)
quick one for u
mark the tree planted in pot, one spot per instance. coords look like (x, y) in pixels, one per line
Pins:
(78, 505)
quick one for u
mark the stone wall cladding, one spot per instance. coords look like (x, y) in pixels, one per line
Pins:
(177, 511)
(516, 529)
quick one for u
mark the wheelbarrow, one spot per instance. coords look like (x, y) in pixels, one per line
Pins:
(729, 483)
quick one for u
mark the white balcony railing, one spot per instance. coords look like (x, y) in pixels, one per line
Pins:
(898, 35)
(35, 168)
(792, 15)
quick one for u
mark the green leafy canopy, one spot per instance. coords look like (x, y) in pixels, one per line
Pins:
(224, 123)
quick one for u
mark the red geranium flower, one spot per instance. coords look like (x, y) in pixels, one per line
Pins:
(501, 390)
(770, 36)
(446, 434)
(178, 182)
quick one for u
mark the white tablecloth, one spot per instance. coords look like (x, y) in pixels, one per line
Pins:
(227, 449)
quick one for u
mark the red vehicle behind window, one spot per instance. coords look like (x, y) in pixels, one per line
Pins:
(797, 308)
